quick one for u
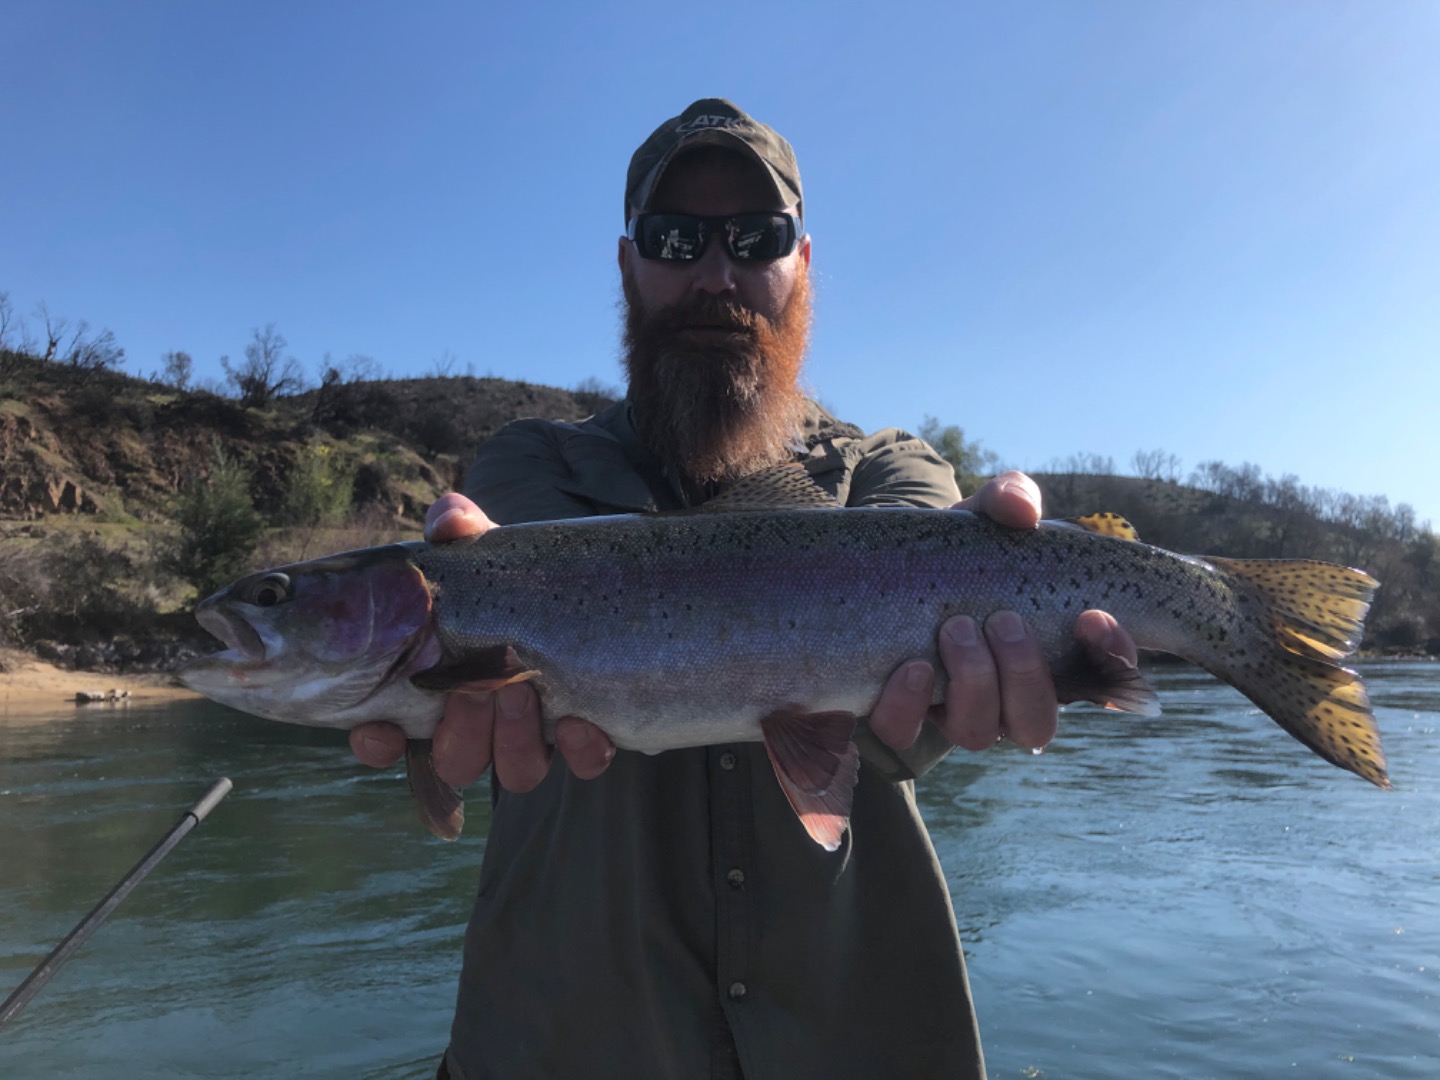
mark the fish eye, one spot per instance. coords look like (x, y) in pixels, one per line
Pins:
(270, 590)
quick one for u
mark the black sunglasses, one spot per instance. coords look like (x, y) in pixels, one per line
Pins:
(758, 237)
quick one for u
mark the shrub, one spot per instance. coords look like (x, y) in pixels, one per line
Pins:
(219, 527)
(70, 587)
(317, 490)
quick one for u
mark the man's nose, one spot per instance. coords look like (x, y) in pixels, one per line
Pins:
(714, 270)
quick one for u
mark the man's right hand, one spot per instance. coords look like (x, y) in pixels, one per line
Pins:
(479, 729)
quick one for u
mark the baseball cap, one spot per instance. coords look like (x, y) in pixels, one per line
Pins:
(712, 122)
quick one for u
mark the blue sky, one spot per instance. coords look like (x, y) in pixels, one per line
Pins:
(1210, 228)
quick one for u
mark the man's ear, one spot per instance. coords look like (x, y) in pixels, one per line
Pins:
(805, 250)
(623, 252)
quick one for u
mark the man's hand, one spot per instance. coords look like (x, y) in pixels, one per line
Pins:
(480, 728)
(999, 682)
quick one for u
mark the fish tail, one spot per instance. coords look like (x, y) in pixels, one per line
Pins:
(1314, 608)
(1309, 615)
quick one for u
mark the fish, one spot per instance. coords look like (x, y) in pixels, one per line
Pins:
(768, 614)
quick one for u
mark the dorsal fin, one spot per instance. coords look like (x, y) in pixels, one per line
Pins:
(780, 487)
(1106, 524)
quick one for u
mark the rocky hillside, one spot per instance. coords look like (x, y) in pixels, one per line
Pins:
(122, 499)
(96, 468)
(110, 447)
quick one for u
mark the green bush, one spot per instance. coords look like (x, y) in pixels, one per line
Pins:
(219, 527)
(69, 587)
(317, 491)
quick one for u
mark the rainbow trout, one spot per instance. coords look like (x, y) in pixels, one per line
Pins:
(768, 614)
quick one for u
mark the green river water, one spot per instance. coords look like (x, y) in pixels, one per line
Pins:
(1191, 896)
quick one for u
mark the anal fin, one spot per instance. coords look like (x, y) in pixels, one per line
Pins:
(816, 762)
(442, 808)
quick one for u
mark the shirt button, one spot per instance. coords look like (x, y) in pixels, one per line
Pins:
(736, 877)
(727, 762)
(737, 991)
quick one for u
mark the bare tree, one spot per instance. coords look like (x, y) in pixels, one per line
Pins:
(7, 317)
(267, 373)
(54, 331)
(178, 369)
(1156, 465)
(77, 348)
(443, 366)
(361, 368)
(97, 353)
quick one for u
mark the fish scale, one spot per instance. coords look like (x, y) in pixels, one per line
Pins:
(742, 622)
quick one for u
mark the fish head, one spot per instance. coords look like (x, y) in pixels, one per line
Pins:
(330, 643)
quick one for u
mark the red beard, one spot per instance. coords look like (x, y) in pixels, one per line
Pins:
(717, 405)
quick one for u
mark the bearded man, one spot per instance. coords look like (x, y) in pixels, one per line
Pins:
(667, 916)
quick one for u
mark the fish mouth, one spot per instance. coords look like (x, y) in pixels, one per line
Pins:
(243, 644)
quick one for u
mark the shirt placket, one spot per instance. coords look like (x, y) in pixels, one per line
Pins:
(732, 868)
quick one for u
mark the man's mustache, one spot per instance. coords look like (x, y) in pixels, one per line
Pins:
(707, 312)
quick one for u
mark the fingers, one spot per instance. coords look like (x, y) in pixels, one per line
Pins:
(972, 696)
(503, 728)
(1029, 713)
(462, 742)
(999, 684)
(585, 748)
(522, 756)
(1011, 498)
(903, 704)
(1100, 633)
(452, 517)
(377, 744)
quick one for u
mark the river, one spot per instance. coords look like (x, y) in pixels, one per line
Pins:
(1191, 896)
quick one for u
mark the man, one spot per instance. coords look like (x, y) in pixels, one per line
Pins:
(667, 916)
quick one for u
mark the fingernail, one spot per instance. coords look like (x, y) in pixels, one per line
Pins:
(1006, 626)
(1107, 643)
(510, 700)
(917, 677)
(454, 513)
(962, 631)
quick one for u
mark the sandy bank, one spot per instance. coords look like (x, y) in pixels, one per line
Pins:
(27, 683)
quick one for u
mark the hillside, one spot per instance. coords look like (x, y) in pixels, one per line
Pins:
(99, 470)
(106, 444)
(96, 466)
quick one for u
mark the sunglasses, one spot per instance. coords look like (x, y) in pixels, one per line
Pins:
(759, 237)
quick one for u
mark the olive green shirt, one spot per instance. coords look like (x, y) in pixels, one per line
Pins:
(671, 918)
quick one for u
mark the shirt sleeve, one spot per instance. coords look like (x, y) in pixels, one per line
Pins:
(519, 475)
(897, 469)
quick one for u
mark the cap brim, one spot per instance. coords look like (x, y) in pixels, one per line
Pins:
(711, 137)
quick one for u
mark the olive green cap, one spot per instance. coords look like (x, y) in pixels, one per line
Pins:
(712, 122)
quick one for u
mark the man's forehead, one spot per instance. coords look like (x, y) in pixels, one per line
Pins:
(713, 172)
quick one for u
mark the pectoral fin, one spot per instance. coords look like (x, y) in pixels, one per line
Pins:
(1109, 680)
(816, 763)
(480, 669)
(442, 808)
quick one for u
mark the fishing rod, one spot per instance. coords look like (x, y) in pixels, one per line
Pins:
(36, 980)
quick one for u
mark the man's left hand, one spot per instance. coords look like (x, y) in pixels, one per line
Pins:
(999, 683)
